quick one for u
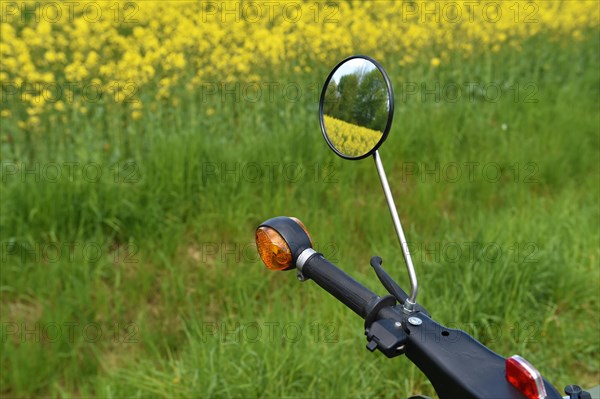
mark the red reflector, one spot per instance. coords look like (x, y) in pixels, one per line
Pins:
(523, 376)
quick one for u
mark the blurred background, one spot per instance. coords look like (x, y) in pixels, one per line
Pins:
(143, 142)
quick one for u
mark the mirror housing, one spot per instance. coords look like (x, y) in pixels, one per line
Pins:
(356, 107)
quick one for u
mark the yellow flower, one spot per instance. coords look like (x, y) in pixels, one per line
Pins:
(5, 113)
(59, 106)
(158, 47)
(136, 115)
(47, 77)
(92, 59)
(50, 56)
(34, 120)
(210, 111)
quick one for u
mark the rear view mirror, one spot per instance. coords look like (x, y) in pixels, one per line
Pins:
(356, 107)
(356, 111)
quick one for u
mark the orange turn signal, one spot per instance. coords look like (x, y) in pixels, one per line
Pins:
(274, 251)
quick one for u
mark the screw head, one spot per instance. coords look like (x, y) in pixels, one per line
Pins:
(572, 389)
(397, 324)
(415, 321)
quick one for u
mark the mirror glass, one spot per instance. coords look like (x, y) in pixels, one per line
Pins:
(356, 107)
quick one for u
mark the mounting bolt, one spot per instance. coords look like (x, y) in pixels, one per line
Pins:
(415, 321)
(397, 324)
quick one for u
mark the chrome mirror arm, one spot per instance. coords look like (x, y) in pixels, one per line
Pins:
(412, 299)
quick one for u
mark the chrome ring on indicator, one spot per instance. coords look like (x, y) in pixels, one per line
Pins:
(303, 257)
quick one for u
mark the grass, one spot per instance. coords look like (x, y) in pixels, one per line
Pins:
(157, 254)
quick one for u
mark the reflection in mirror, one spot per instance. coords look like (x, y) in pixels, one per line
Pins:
(356, 107)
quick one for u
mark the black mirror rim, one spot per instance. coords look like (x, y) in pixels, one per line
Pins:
(390, 115)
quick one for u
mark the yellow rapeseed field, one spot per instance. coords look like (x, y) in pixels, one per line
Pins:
(349, 139)
(52, 51)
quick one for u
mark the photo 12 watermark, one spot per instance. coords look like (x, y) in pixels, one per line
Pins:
(290, 12)
(464, 12)
(54, 252)
(69, 331)
(519, 332)
(228, 253)
(256, 91)
(268, 332)
(472, 92)
(61, 93)
(68, 11)
(450, 252)
(470, 171)
(127, 172)
(268, 172)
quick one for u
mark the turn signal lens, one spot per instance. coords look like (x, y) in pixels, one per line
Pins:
(273, 249)
(523, 376)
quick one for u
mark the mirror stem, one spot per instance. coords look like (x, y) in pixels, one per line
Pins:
(412, 300)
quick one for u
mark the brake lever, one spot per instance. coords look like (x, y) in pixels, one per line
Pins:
(390, 285)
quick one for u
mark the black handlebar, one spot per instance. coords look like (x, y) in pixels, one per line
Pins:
(339, 284)
(457, 365)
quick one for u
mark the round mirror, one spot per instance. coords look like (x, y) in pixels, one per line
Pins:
(356, 107)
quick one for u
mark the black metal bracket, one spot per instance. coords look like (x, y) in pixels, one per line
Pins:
(388, 336)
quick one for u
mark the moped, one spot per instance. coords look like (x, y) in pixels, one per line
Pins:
(356, 110)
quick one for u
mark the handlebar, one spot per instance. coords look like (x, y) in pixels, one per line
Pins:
(456, 364)
(339, 284)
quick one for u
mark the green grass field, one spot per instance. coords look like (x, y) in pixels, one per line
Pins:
(144, 282)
